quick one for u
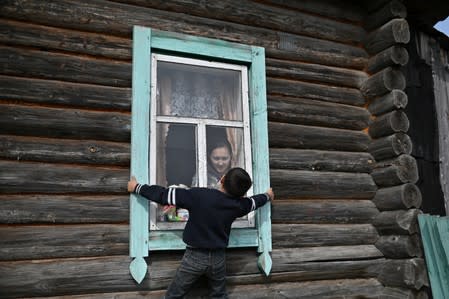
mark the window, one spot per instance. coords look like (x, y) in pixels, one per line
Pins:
(190, 93)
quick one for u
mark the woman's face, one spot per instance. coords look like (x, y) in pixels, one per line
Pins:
(220, 159)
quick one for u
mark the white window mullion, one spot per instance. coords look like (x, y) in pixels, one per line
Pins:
(202, 154)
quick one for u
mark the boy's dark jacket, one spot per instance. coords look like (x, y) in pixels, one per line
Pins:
(211, 212)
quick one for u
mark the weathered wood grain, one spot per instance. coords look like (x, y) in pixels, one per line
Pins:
(400, 197)
(335, 94)
(335, 211)
(390, 146)
(391, 10)
(113, 18)
(317, 113)
(60, 241)
(397, 246)
(404, 293)
(296, 159)
(60, 209)
(320, 184)
(275, 18)
(52, 38)
(64, 150)
(308, 235)
(397, 171)
(407, 273)
(383, 82)
(389, 123)
(395, 99)
(64, 123)
(29, 177)
(64, 67)
(314, 73)
(394, 32)
(392, 56)
(52, 92)
(283, 135)
(399, 222)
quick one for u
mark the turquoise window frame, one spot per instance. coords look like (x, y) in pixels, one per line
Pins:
(145, 42)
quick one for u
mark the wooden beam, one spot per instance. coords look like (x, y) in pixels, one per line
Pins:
(60, 209)
(400, 246)
(29, 177)
(390, 146)
(388, 124)
(394, 100)
(319, 184)
(64, 123)
(400, 170)
(391, 10)
(383, 82)
(317, 113)
(54, 150)
(408, 273)
(394, 32)
(399, 222)
(307, 137)
(400, 197)
(59, 93)
(297, 159)
(390, 57)
(321, 211)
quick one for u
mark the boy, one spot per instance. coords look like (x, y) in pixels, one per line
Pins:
(211, 213)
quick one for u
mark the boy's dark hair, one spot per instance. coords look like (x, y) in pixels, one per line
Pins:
(236, 182)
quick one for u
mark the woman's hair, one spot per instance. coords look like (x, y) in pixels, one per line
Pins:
(237, 182)
(218, 144)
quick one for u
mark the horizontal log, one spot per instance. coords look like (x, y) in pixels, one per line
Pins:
(395, 99)
(64, 150)
(58, 241)
(391, 10)
(319, 184)
(29, 177)
(51, 38)
(64, 67)
(323, 211)
(64, 123)
(317, 113)
(294, 159)
(408, 273)
(260, 15)
(394, 32)
(314, 73)
(308, 235)
(397, 246)
(390, 146)
(51, 92)
(397, 171)
(400, 222)
(113, 19)
(70, 209)
(334, 94)
(400, 197)
(392, 56)
(383, 82)
(388, 124)
(83, 276)
(403, 293)
(308, 137)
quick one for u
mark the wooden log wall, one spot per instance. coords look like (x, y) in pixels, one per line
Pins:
(395, 171)
(65, 97)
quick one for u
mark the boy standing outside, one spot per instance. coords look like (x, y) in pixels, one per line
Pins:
(211, 214)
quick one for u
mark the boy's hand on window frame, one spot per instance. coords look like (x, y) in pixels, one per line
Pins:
(132, 183)
(270, 193)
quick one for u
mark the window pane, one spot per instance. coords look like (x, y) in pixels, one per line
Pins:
(224, 150)
(197, 91)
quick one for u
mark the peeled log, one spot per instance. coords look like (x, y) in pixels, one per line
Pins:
(391, 10)
(393, 56)
(390, 123)
(410, 273)
(395, 171)
(400, 246)
(398, 197)
(383, 82)
(400, 222)
(390, 146)
(395, 99)
(394, 32)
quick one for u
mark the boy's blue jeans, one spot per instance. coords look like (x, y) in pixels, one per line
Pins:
(195, 263)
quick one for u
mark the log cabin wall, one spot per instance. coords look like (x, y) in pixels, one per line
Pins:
(65, 94)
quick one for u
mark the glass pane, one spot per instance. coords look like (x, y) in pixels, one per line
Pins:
(224, 150)
(197, 91)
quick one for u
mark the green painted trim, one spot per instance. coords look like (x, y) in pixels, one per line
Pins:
(140, 132)
(260, 152)
(172, 239)
(193, 45)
